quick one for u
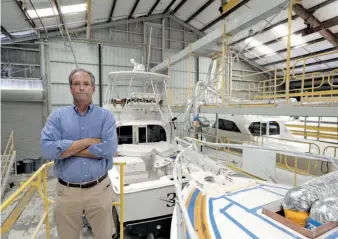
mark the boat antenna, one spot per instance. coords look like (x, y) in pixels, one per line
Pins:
(151, 29)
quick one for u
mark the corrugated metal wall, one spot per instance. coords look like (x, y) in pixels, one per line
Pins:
(118, 59)
(26, 120)
(119, 45)
(61, 63)
(22, 109)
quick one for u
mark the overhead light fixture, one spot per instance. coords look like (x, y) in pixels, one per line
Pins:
(282, 31)
(259, 46)
(23, 33)
(46, 12)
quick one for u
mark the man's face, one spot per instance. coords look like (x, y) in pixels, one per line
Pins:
(82, 88)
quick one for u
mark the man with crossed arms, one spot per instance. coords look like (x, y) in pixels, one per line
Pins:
(81, 138)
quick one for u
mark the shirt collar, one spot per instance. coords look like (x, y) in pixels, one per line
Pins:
(90, 108)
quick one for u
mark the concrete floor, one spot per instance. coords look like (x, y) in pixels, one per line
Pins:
(29, 219)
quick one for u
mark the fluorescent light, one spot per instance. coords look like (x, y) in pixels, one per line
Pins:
(22, 33)
(282, 31)
(74, 8)
(259, 46)
(46, 12)
(297, 40)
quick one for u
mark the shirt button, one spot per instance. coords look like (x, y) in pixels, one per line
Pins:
(82, 127)
(84, 163)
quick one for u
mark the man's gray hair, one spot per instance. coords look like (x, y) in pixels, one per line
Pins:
(92, 78)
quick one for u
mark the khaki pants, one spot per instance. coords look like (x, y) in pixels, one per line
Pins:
(96, 201)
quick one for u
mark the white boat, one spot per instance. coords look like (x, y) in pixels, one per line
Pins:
(262, 130)
(145, 130)
(222, 205)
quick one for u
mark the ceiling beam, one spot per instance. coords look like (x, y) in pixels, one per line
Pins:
(112, 11)
(301, 56)
(168, 7)
(322, 39)
(201, 9)
(179, 6)
(209, 42)
(6, 33)
(324, 25)
(313, 21)
(224, 15)
(311, 10)
(89, 17)
(133, 9)
(299, 32)
(320, 5)
(253, 64)
(93, 27)
(318, 63)
(24, 12)
(153, 7)
(186, 25)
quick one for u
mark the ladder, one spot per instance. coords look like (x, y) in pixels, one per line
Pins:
(7, 161)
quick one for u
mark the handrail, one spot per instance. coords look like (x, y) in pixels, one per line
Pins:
(34, 184)
(329, 78)
(10, 140)
(178, 188)
(7, 160)
(294, 169)
(334, 154)
(309, 57)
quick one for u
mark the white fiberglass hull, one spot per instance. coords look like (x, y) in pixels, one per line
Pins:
(148, 204)
(238, 214)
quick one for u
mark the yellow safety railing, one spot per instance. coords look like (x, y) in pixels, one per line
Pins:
(9, 150)
(266, 87)
(330, 76)
(8, 157)
(283, 161)
(32, 185)
(310, 84)
(319, 132)
(334, 148)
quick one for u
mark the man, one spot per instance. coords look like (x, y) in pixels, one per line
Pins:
(81, 139)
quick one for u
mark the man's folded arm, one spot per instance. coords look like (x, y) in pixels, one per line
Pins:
(86, 154)
(107, 148)
(53, 147)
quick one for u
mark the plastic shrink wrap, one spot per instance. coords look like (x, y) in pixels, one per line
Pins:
(301, 198)
(325, 210)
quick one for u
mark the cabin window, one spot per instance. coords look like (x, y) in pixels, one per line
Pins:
(227, 125)
(156, 133)
(257, 128)
(142, 135)
(274, 128)
(125, 134)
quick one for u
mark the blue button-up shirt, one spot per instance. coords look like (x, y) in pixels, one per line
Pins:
(66, 125)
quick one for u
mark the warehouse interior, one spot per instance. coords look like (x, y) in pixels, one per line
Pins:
(252, 73)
